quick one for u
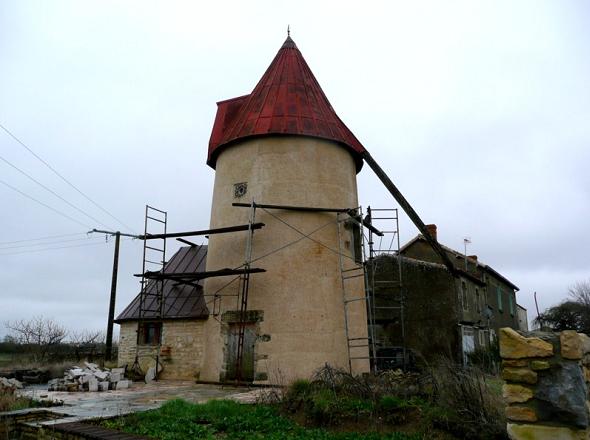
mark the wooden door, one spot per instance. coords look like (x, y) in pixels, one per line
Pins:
(248, 354)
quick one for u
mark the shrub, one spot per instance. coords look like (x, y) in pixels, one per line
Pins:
(466, 404)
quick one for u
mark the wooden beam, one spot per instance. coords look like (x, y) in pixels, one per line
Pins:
(405, 205)
(202, 232)
(350, 211)
(192, 276)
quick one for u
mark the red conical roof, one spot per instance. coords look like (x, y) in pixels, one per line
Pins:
(287, 100)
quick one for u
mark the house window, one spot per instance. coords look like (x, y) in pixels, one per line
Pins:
(499, 294)
(477, 300)
(149, 333)
(511, 304)
(482, 338)
(464, 295)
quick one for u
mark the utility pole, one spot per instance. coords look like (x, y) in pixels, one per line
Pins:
(111, 318)
(109, 341)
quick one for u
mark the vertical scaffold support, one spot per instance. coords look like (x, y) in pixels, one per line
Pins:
(387, 296)
(244, 287)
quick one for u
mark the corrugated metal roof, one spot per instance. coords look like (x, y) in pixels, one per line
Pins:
(287, 100)
(180, 301)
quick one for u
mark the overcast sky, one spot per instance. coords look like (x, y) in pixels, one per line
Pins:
(478, 111)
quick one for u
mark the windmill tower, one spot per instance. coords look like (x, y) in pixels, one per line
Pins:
(284, 145)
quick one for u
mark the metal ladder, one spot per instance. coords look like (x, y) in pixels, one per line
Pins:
(350, 270)
(151, 301)
(244, 286)
(390, 291)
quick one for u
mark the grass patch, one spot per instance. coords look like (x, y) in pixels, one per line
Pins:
(11, 402)
(179, 419)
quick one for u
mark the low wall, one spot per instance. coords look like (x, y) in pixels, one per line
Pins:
(546, 384)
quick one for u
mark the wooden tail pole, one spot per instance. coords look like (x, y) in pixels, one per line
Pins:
(405, 205)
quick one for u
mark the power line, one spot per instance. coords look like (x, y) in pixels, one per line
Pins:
(32, 251)
(52, 192)
(62, 177)
(43, 204)
(47, 237)
(50, 243)
(50, 249)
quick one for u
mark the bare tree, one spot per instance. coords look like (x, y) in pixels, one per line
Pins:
(86, 337)
(41, 335)
(86, 343)
(580, 292)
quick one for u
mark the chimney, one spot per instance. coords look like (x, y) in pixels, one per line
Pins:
(432, 231)
(472, 257)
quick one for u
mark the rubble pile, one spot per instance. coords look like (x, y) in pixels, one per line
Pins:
(90, 378)
(9, 385)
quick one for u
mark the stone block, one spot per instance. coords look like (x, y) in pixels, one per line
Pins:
(523, 375)
(93, 384)
(515, 346)
(586, 372)
(103, 386)
(515, 363)
(115, 377)
(585, 342)
(541, 432)
(521, 414)
(118, 371)
(123, 384)
(516, 393)
(561, 395)
(101, 375)
(571, 345)
(540, 365)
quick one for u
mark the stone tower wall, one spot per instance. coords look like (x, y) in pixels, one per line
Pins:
(297, 304)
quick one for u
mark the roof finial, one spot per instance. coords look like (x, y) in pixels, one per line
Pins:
(288, 31)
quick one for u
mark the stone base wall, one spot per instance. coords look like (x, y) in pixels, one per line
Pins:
(546, 384)
(181, 353)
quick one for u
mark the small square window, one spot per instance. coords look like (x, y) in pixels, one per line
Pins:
(149, 333)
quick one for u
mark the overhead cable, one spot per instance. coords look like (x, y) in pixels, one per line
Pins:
(21, 143)
(47, 237)
(52, 192)
(57, 211)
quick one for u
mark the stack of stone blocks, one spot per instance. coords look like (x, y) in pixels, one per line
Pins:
(546, 378)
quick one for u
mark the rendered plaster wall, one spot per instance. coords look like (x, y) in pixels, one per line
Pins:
(546, 384)
(181, 349)
(300, 296)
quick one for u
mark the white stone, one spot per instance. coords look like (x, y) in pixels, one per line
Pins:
(150, 375)
(103, 386)
(92, 384)
(122, 384)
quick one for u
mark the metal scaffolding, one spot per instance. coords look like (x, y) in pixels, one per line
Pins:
(386, 297)
(151, 299)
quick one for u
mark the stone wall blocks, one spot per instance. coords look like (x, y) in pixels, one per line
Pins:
(521, 414)
(571, 345)
(541, 432)
(515, 346)
(585, 341)
(515, 363)
(540, 365)
(522, 375)
(516, 393)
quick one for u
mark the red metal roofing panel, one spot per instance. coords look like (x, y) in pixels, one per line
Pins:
(287, 100)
